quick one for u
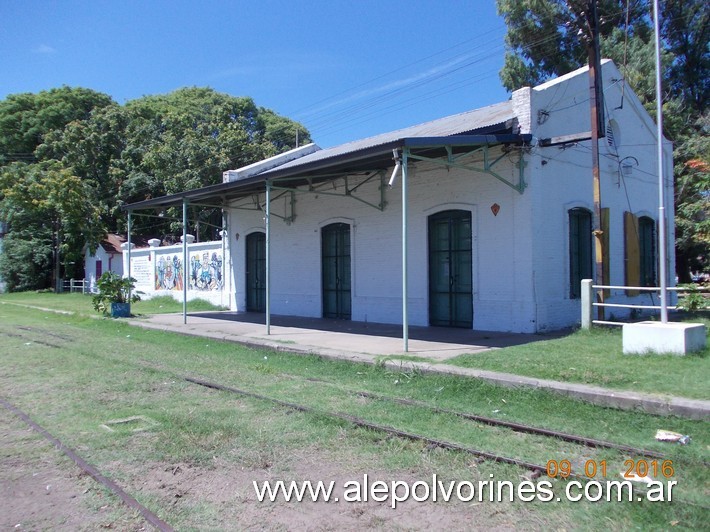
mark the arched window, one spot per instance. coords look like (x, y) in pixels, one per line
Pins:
(580, 249)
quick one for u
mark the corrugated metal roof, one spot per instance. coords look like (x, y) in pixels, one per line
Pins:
(459, 124)
(360, 155)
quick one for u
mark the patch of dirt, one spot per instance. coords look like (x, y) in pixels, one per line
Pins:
(40, 489)
(229, 489)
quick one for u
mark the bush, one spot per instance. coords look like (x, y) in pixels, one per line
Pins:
(693, 300)
(112, 288)
(26, 262)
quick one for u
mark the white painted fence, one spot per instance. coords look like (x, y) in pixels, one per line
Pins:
(589, 304)
(76, 285)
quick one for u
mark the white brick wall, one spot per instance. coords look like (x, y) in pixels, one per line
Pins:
(520, 256)
(501, 248)
(565, 181)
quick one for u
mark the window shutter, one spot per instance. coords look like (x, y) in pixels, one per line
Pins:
(632, 252)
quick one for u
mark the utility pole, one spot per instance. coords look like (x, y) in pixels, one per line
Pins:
(597, 122)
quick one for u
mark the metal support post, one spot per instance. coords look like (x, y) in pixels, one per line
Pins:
(405, 290)
(184, 261)
(128, 241)
(661, 185)
(268, 257)
(225, 236)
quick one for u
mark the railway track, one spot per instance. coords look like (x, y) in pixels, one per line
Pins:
(90, 470)
(516, 427)
(536, 469)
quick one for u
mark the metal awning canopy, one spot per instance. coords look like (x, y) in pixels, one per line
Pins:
(367, 159)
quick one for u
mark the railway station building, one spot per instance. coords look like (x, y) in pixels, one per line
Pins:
(482, 220)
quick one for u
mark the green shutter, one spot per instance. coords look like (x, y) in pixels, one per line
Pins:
(256, 272)
(580, 249)
(647, 251)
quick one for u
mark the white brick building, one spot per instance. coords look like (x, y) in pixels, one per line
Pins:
(107, 257)
(499, 210)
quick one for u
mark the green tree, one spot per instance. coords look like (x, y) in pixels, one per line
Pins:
(26, 118)
(186, 139)
(546, 38)
(79, 144)
(26, 259)
(692, 199)
(685, 25)
(46, 205)
(92, 149)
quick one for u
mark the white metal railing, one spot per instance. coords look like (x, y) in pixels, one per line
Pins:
(76, 285)
(589, 303)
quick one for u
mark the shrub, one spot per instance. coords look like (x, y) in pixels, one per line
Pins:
(112, 288)
(693, 300)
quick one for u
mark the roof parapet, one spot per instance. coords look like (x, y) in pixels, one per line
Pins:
(269, 164)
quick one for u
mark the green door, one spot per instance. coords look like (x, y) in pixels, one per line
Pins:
(450, 278)
(256, 272)
(335, 255)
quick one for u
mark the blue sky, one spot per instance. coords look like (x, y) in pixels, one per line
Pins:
(345, 69)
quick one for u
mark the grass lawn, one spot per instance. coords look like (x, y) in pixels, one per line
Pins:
(195, 464)
(595, 357)
(81, 303)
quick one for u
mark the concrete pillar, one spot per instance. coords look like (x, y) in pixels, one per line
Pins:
(587, 303)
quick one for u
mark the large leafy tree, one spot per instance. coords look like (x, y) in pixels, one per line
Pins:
(51, 220)
(92, 149)
(26, 118)
(547, 38)
(110, 155)
(685, 25)
(30, 182)
(186, 139)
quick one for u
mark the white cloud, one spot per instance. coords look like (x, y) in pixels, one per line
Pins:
(44, 49)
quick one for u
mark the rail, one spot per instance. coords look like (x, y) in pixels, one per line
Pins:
(589, 303)
(76, 285)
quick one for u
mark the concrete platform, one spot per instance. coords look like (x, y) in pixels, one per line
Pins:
(371, 339)
(370, 343)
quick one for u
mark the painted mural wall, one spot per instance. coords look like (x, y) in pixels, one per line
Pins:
(160, 270)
